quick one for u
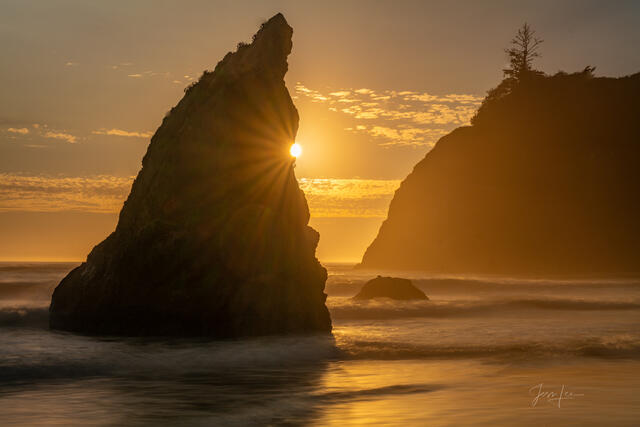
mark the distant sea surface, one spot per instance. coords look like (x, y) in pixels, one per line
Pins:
(481, 351)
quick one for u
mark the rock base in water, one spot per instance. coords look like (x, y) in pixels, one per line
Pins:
(390, 287)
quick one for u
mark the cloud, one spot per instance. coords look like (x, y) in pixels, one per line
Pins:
(21, 131)
(151, 73)
(102, 193)
(398, 118)
(42, 131)
(350, 198)
(363, 91)
(341, 93)
(120, 132)
(314, 95)
(61, 135)
(120, 65)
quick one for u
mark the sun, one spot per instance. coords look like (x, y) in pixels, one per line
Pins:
(296, 150)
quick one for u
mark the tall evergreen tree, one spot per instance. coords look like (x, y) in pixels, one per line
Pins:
(524, 49)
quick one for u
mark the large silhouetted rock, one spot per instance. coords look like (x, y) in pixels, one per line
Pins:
(213, 239)
(390, 287)
(545, 181)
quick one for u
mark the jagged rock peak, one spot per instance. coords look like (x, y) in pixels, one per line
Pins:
(269, 50)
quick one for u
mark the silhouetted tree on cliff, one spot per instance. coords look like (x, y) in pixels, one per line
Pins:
(523, 50)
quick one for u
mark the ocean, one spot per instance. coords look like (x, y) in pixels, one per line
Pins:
(482, 351)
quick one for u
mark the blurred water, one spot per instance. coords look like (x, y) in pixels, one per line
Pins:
(469, 356)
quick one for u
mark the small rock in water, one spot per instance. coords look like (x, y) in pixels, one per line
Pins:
(390, 287)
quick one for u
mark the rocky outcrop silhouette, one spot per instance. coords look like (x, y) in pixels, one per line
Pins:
(545, 181)
(390, 287)
(213, 239)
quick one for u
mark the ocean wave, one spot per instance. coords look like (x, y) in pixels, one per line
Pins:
(372, 393)
(60, 355)
(615, 347)
(348, 309)
(349, 285)
(33, 272)
(37, 266)
(34, 317)
(36, 313)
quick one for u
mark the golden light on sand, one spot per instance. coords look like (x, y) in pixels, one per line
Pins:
(296, 150)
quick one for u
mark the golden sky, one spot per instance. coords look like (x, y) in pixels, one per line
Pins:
(84, 85)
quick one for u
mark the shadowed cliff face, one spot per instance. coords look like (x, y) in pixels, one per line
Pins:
(213, 238)
(546, 181)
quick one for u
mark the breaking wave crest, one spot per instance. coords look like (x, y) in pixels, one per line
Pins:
(34, 317)
(616, 347)
(343, 308)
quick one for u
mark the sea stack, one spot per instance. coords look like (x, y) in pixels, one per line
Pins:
(544, 182)
(213, 239)
(390, 287)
